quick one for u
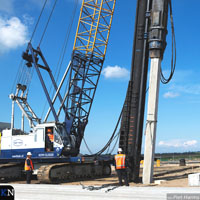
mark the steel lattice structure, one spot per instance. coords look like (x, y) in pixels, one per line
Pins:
(87, 61)
(94, 27)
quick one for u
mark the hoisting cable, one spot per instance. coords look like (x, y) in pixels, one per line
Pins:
(17, 76)
(36, 25)
(31, 75)
(20, 72)
(109, 144)
(111, 138)
(87, 146)
(116, 136)
(23, 72)
(165, 80)
(63, 51)
(47, 23)
(115, 143)
(38, 20)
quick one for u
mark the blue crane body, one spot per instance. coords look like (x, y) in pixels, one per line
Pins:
(83, 73)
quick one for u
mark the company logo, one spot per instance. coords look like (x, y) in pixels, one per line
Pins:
(18, 142)
(7, 192)
(17, 156)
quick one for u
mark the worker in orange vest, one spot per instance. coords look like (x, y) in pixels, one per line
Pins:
(49, 140)
(120, 164)
(50, 134)
(28, 167)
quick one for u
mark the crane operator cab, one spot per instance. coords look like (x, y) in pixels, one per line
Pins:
(49, 139)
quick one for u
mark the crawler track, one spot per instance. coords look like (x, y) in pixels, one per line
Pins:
(11, 171)
(69, 172)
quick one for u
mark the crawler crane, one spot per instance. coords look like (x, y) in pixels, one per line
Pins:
(61, 160)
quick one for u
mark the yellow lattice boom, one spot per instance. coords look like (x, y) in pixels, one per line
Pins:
(94, 27)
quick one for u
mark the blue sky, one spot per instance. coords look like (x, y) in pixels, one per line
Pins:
(179, 101)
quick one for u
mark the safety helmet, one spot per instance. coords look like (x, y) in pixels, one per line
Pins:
(29, 154)
(119, 149)
(49, 130)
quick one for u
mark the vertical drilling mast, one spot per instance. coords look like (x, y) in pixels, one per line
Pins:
(133, 112)
(149, 40)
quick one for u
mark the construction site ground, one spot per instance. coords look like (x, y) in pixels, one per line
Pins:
(76, 192)
(167, 175)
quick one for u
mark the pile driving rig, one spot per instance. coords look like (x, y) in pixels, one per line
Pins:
(149, 41)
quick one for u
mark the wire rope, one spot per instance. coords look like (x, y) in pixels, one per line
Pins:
(87, 146)
(165, 80)
(38, 20)
(115, 143)
(17, 76)
(61, 58)
(20, 72)
(62, 54)
(47, 23)
(111, 138)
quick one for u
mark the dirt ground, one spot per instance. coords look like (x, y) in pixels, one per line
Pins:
(175, 175)
(167, 175)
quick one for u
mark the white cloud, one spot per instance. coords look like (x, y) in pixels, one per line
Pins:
(38, 3)
(13, 34)
(27, 19)
(115, 72)
(187, 88)
(7, 6)
(184, 82)
(171, 95)
(178, 143)
(190, 143)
